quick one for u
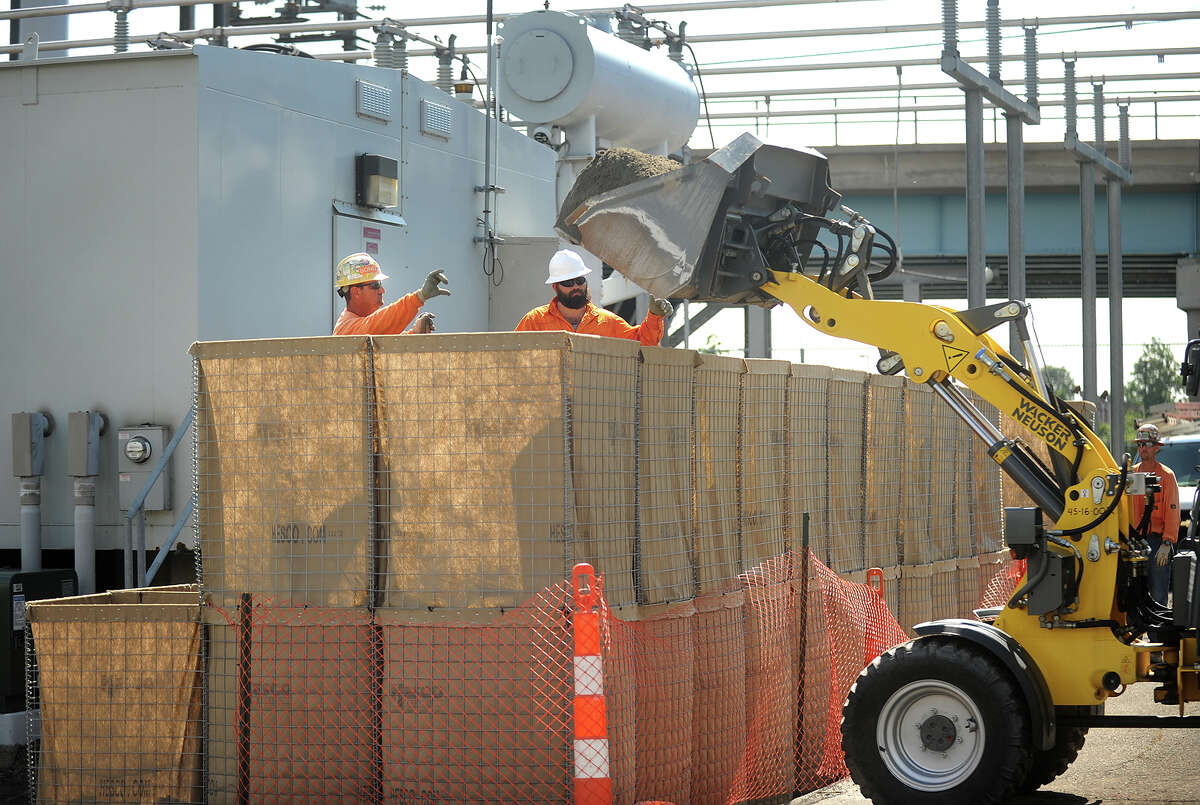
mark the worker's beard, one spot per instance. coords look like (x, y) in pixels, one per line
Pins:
(574, 298)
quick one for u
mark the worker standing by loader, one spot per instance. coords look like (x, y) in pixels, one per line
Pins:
(358, 279)
(572, 308)
(1163, 529)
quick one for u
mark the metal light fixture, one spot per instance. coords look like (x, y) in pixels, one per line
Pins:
(377, 181)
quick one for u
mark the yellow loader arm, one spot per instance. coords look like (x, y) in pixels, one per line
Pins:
(752, 224)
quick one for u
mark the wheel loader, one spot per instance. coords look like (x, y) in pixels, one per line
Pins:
(970, 711)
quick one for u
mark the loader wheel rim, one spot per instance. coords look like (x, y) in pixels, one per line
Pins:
(930, 735)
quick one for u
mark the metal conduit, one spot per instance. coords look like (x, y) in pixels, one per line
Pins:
(842, 111)
(946, 85)
(718, 5)
(891, 63)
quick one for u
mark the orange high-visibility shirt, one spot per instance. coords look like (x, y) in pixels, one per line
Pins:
(1165, 517)
(595, 321)
(388, 320)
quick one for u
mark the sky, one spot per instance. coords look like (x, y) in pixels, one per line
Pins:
(1058, 321)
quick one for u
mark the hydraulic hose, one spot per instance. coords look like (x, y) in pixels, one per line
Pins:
(1071, 532)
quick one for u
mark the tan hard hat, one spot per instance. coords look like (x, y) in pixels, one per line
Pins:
(357, 268)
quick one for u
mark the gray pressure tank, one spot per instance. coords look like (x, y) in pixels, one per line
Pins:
(555, 69)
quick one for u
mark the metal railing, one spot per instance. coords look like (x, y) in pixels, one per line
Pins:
(135, 517)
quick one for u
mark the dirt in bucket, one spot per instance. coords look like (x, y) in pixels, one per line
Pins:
(613, 168)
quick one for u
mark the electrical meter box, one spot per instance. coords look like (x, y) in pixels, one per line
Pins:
(138, 451)
(17, 587)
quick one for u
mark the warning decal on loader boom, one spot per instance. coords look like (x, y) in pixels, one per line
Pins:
(954, 356)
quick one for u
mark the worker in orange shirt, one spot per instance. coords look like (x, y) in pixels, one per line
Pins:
(572, 308)
(1163, 529)
(358, 279)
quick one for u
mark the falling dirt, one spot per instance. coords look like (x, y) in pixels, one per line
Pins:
(613, 168)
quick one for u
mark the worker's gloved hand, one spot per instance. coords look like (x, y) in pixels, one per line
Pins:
(433, 285)
(660, 307)
(423, 324)
(1164, 554)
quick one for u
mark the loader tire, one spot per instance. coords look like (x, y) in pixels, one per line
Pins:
(936, 722)
(1051, 763)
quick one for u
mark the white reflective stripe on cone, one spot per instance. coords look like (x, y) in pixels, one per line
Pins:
(589, 676)
(591, 758)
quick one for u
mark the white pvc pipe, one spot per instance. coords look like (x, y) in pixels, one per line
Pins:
(31, 524)
(85, 534)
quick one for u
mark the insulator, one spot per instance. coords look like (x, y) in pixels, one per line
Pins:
(121, 32)
(950, 26)
(400, 53)
(992, 22)
(1031, 66)
(1070, 101)
(445, 81)
(383, 50)
(1098, 113)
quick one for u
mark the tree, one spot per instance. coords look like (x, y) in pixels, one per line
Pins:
(1061, 383)
(1155, 378)
(712, 345)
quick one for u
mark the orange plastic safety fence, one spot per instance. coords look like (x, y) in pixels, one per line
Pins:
(1003, 584)
(732, 696)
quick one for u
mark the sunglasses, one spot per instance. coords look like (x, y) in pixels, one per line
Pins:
(572, 283)
(1145, 444)
(374, 286)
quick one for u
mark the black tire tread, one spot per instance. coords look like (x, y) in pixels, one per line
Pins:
(1014, 768)
(1048, 764)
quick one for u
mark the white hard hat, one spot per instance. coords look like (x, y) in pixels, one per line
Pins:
(566, 265)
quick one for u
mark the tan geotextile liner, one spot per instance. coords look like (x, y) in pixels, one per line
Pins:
(719, 705)
(966, 495)
(916, 595)
(989, 479)
(945, 589)
(718, 392)
(947, 529)
(916, 514)
(846, 411)
(463, 712)
(764, 461)
(808, 392)
(665, 689)
(472, 461)
(602, 384)
(964, 440)
(284, 469)
(666, 481)
(970, 586)
(772, 678)
(120, 697)
(883, 490)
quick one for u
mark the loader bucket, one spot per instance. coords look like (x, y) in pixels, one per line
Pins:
(698, 233)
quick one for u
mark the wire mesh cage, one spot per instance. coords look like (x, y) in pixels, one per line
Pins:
(386, 527)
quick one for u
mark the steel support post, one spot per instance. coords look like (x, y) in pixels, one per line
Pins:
(1015, 150)
(1087, 278)
(758, 332)
(1116, 338)
(976, 277)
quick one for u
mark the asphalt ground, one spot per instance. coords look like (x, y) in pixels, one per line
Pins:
(1127, 766)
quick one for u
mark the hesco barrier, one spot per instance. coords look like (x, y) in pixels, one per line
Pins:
(387, 527)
